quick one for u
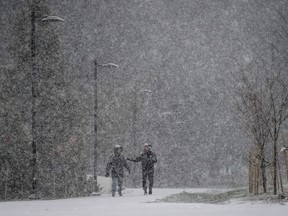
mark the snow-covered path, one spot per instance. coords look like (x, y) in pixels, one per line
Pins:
(134, 203)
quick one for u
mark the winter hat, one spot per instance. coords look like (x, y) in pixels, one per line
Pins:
(117, 146)
(147, 144)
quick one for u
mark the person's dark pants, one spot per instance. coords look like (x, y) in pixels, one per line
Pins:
(150, 176)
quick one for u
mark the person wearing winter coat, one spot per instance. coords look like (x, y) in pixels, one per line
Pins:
(147, 158)
(116, 164)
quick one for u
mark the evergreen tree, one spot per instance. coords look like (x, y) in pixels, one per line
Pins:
(61, 162)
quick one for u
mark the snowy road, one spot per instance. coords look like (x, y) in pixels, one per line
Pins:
(133, 203)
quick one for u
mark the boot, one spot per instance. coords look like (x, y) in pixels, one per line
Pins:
(150, 191)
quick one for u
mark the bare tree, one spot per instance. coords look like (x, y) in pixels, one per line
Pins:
(262, 96)
(253, 111)
(278, 100)
(263, 107)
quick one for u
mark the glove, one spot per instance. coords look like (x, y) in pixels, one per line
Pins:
(107, 175)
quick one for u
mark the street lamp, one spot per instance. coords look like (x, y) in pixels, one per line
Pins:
(134, 138)
(33, 82)
(96, 65)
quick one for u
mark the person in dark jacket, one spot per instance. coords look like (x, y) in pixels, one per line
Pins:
(116, 165)
(147, 158)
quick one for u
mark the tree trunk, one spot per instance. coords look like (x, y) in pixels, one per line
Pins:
(280, 178)
(254, 171)
(6, 183)
(286, 161)
(263, 172)
(257, 176)
(275, 167)
(250, 173)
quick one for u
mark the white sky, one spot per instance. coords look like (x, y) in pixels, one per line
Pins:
(134, 203)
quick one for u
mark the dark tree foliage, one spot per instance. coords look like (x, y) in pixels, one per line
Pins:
(60, 164)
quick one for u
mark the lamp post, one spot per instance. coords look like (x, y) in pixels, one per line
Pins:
(33, 82)
(134, 126)
(95, 166)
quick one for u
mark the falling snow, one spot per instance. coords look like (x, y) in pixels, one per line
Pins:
(92, 74)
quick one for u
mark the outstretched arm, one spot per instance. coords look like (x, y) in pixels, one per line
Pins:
(136, 159)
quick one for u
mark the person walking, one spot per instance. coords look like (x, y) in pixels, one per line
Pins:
(116, 164)
(147, 158)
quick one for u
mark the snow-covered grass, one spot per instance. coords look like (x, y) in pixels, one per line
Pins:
(134, 203)
(206, 197)
(223, 197)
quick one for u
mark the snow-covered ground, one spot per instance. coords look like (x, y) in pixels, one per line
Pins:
(134, 203)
